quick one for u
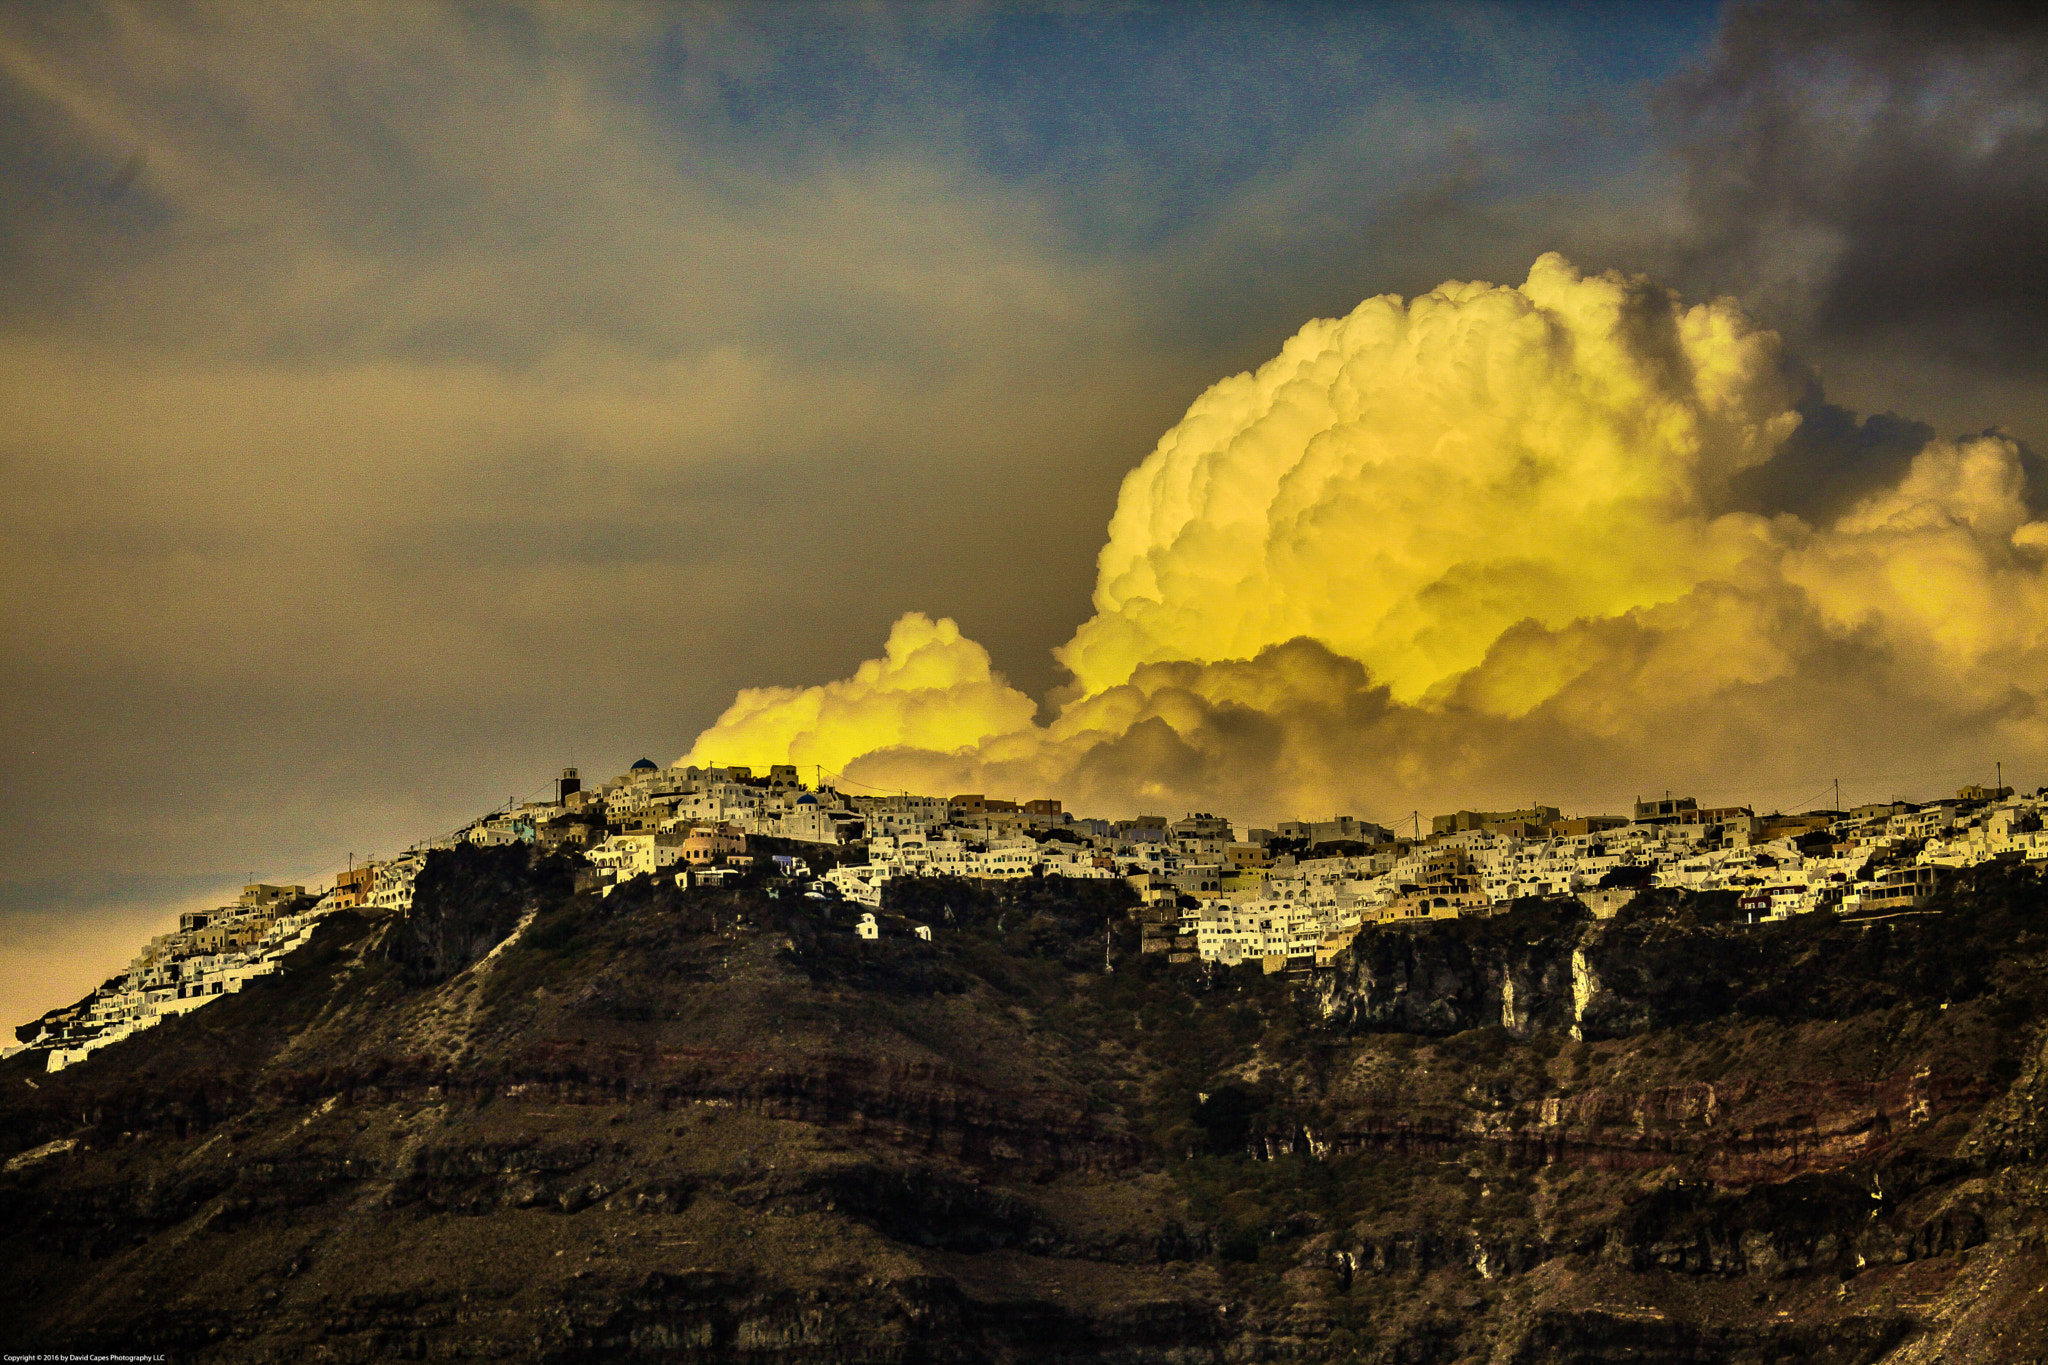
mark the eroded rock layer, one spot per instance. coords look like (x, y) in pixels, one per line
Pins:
(531, 1123)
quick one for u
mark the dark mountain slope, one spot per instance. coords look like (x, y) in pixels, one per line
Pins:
(717, 1126)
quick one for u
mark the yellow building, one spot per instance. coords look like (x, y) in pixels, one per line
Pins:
(1244, 882)
(352, 888)
(1333, 945)
(707, 844)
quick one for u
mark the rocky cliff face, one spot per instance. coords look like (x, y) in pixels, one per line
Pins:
(529, 1123)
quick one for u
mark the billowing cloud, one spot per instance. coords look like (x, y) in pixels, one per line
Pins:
(1407, 482)
(1876, 175)
(932, 689)
(1490, 539)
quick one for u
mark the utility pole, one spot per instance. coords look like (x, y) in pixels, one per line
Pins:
(1838, 796)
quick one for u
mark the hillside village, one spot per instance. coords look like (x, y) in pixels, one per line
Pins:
(1293, 895)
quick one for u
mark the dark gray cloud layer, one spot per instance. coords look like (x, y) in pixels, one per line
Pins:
(1874, 179)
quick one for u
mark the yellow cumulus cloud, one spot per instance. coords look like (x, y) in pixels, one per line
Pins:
(1484, 541)
(1408, 482)
(932, 689)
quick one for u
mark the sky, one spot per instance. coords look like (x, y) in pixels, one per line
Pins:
(403, 401)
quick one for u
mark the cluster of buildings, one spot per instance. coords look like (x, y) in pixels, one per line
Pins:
(648, 820)
(211, 953)
(1874, 859)
(651, 819)
(1299, 892)
(1293, 894)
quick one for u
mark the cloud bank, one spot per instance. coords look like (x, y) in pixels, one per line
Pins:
(1875, 176)
(1488, 540)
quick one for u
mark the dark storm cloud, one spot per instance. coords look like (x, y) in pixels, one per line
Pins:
(1874, 178)
(1831, 461)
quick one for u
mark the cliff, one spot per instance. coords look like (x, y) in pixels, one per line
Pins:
(524, 1122)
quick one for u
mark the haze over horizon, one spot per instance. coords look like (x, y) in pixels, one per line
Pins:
(407, 401)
